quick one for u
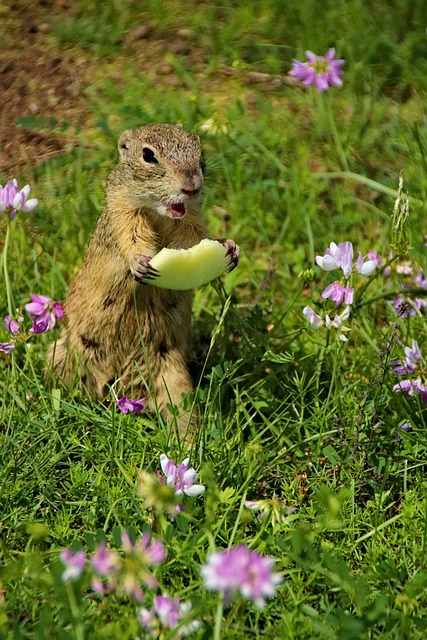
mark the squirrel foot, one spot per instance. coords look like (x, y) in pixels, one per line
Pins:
(233, 250)
(140, 268)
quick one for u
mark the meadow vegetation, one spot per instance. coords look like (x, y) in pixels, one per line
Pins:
(308, 451)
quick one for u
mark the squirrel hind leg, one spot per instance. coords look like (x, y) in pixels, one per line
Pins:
(64, 363)
(164, 391)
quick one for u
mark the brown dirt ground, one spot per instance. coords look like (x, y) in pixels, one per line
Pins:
(36, 79)
(39, 77)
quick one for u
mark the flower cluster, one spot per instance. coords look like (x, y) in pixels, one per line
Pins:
(168, 613)
(321, 71)
(111, 570)
(414, 362)
(44, 313)
(340, 257)
(181, 477)
(239, 569)
(406, 306)
(15, 199)
(125, 404)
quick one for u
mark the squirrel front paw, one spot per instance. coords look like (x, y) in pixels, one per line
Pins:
(233, 250)
(140, 268)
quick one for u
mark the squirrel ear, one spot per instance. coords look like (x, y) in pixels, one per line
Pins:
(124, 143)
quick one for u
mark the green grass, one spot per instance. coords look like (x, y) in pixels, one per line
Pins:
(288, 414)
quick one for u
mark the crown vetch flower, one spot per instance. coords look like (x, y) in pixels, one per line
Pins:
(314, 319)
(130, 406)
(104, 561)
(11, 325)
(152, 553)
(365, 268)
(74, 564)
(169, 612)
(337, 257)
(337, 293)
(239, 569)
(181, 477)
(11, 197)
(413, 386)
(421, 280)
(321, 71)
(7, 347)
(44, 311)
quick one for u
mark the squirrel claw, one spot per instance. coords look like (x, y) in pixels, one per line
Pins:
(232, 250)
(141, 268)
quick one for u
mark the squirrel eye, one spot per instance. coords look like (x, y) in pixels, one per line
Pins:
(148, 155)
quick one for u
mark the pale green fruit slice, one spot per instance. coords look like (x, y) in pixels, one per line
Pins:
(183, 269)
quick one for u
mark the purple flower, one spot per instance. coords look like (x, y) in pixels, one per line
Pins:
(7, 347)
(45, 311)
(406, 307)
(105, 562)
(410, 386)
(74, 564)
(39, 326)
(375, 256)
(181, 477)
(421, 280)
(337, 293)
(239, 569)
(315, 320)
(321, 71)
(11, 325)
(169, 612)
(365, 268)
(11, 197)
(337, 257)
(152, 553)
(130, 406)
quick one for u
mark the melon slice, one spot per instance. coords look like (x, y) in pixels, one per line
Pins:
(183, 269)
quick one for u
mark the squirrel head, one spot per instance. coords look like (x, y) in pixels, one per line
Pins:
(160, 167)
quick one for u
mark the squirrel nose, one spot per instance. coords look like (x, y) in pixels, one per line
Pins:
(190, 192)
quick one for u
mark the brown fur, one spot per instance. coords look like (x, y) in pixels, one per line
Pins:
(115, 327)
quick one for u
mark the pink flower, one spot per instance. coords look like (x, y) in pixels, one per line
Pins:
(11, 325)
(74, 564)
(421, 280)
(337, 293)
(375, 256)
(130, 406)
(45, 312)
(152, 553)
(410, 386)
(169, 612)
(321, 71)
(181, 477)
(105, 562)
(365, 268)
(7, 347)
(11, 197)
(315, 320)
(337, 257)
(239, 569)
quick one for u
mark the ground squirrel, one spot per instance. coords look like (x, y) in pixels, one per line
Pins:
(116, 327)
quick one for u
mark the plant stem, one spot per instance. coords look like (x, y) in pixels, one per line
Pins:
(10, 307)
(218, 618)
(75, 612)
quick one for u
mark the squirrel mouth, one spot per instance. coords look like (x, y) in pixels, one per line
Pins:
(176, 209)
